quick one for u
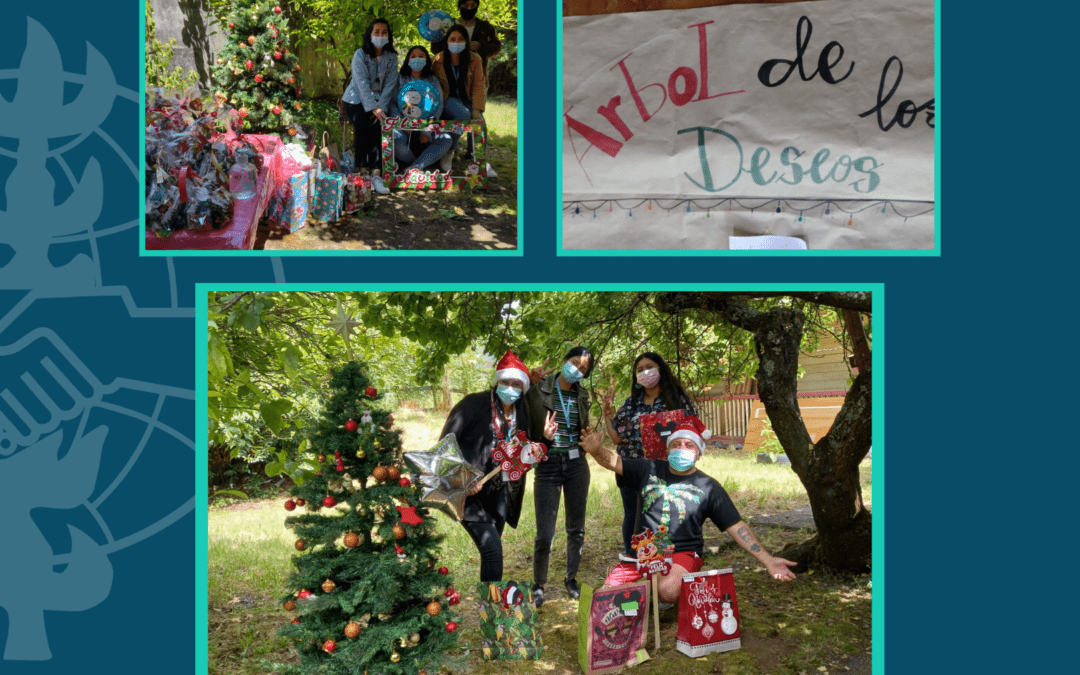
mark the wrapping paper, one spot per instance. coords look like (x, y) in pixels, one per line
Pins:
(809, 120)
(357, 193)
(329, 196)
(708, 613)
(288, 206)
(508, 622)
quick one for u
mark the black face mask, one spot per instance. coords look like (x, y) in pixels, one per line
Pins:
(468, 14)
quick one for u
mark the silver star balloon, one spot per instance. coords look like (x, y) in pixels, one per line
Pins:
(445, 475)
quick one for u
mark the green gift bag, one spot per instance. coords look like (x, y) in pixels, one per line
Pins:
(508, 621)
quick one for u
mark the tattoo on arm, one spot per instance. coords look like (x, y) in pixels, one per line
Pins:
(747, 536)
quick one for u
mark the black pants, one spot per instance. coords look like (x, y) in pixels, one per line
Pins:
(367, 137)
(559, 474)
(488, 540)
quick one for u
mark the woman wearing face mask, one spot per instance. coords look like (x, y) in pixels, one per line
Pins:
(566, 469)
(420, 149)
(367, 99)
(464, 75)
(653, 388)
(480, 421)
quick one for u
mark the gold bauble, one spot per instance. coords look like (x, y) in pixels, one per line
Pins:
(395, 657)
(414, 638)
(360, 454)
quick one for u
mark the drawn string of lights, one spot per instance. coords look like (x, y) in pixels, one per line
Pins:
(849, 207)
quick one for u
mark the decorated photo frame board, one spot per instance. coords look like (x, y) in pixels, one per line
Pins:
(475, 177)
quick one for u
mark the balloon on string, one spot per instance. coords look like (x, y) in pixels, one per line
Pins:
(419, 99)
(434, 25)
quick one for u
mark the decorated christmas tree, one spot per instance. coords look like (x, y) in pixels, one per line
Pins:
(254, 72)
(368, 593)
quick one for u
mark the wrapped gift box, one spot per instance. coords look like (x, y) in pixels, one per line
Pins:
(288, 208)
(708, 613)
(329, 196)
(655, 429)
(508, 621)
(357, 193)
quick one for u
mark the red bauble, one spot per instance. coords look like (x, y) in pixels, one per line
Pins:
(337, 454)
(329, 502)
(350, 425)
(329, 646)
(404, 482)
(277, 10)
(451, 627)
(248, 64)
(340, 466)
(231, 25)
(372, 392)
(277, 110)
(304, 594)
(444, 570)
(258, 78)
(300, 501)
(243, 112)
(296, 621)
(277, 55)
(455, 598)
(290, 505)
(449, 591)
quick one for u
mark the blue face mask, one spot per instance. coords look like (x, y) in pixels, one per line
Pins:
(379, 42)
(417, 64)
(507, 394)
(681, 459)
(455, 47)
(570, 373)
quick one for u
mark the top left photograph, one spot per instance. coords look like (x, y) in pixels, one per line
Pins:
(331, 127)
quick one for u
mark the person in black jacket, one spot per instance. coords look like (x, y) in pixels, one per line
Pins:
(480, 421)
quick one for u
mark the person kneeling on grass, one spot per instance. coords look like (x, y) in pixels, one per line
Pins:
(676, 494)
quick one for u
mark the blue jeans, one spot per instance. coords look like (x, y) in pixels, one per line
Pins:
(559, 473)
(432, 153)
(455, 109)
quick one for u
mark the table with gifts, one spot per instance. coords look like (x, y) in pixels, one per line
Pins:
(239, 233)
(475, 176)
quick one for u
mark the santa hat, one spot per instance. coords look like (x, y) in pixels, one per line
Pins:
(510, 367)
(691, 428)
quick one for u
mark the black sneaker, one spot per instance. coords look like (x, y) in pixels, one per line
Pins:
(573, 588)
(538, 596)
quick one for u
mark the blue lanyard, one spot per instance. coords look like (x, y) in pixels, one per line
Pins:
(565, 407)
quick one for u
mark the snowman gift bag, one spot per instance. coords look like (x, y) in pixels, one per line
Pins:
(708, 613)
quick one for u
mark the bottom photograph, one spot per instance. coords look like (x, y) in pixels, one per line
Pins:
(402, 482)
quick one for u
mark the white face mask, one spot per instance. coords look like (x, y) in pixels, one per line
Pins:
(649, 378)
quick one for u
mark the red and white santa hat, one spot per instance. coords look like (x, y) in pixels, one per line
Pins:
(694, 429)
(510, 367)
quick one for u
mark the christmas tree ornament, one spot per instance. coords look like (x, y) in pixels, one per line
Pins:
(454, 599)
(248, 64)
(340, 466)
(395, 657)
(399, 532)
(343, 324)
(352, 630)
(404, 642)
(277, 110)
(371, 392)
(451, 627)
(415, 638)
(399, 552)
(379, 473)
(389, 421)
(337, 454)
(434, 607)
(303, 594)
(289, 605)
(393, 472)
(295, 621)
(329, 646)
(404, 482)
(290, 505)
(360, 454)
(328, 586)
(301, 544)
(277, 55)
(444, 570)
(277, 10)
(231, 25)
(329, 502)
(322, 458)
(350, 425)
(251, 39)
(352, 540)
(258, 78)
(300, 501)
(449, 591)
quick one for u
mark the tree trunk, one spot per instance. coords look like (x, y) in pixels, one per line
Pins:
(828, 469)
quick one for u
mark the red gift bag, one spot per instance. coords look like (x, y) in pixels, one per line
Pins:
(655, 429)
(708, 613)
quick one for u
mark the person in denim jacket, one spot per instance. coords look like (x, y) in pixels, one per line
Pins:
(372, 87)
(566, 469)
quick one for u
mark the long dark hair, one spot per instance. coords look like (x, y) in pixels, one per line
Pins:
(521, 410)
(406, 69)
(369, 48)
(671, 390)
(463, 67)
(582, 351)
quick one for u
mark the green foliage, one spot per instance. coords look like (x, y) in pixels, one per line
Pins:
(159, 56)
(266, 94)
(769, 441)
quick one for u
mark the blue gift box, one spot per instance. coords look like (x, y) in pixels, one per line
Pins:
(329, 196)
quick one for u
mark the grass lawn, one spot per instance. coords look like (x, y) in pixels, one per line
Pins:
(813, 625)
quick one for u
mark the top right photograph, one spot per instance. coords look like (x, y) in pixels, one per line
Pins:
(742, 125)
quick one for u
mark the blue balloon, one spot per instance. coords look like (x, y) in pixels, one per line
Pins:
(419, 99)
(434, 24)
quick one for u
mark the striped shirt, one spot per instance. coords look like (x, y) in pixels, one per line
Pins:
(567, 435)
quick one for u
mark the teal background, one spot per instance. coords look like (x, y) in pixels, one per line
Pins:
(963, 450)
